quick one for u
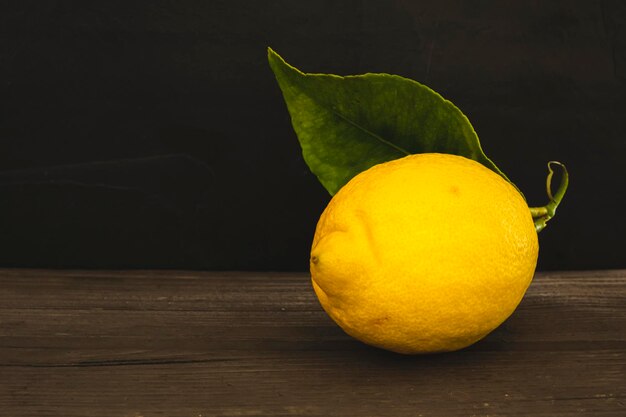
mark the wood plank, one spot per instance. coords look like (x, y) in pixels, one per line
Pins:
(171, 343)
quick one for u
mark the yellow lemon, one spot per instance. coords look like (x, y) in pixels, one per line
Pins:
(428, 253)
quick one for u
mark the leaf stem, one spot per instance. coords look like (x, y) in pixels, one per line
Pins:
(541, 215)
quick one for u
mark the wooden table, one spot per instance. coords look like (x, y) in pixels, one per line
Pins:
(159, 343)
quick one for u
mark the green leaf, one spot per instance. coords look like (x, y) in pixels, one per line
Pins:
(346, 125)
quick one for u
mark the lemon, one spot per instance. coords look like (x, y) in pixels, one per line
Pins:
(428, 253)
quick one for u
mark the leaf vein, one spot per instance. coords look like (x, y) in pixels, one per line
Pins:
(369, 132)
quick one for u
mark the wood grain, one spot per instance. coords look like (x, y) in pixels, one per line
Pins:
(159, 343)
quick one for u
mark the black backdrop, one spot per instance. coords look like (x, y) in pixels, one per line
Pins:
(152, 134)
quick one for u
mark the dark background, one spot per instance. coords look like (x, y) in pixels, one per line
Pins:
(153, 134)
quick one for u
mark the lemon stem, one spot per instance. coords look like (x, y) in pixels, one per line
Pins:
(541, 215)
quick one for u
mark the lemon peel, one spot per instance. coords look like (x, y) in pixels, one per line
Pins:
(427, 253)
